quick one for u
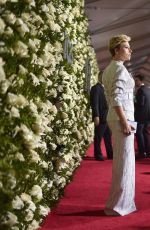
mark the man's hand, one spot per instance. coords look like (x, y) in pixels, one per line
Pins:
(96, 121)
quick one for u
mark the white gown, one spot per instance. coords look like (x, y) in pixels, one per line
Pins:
(121, 198)
(119, 87)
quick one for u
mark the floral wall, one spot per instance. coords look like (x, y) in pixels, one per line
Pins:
(46, 66)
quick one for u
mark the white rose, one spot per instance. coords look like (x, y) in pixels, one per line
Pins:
(79, 135)
(29, 216)
(9, 31)
(53, 93)
(50, 184)
(34, 44)
(53, 109)
(19, 156)
(22, 70)
(11, 181)
(14, 228)
(10, 219)
(21, 27)
(52, 9)
(34, 225)
(2, 2)
(43, 210)
(10, 17)
(48, 59)
(44, 164)
(17, 100)
(25, 197)
(34, 156)
(31, 2)
(45, 72)
(44, 8)
(2, 26)
(53, 146)
(17, 203)
(1, 185)
(35, 79)
(4, 86)
(2, 73)
(14, 112)
(64, 115)
(33, 107)
(21, 49)
(37, 192)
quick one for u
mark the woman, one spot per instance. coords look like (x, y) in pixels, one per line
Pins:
(119, 87)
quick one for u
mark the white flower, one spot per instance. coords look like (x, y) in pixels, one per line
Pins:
(37, 192)
(53, 93)
(17, 203)
(79, 135)
(2, 26)
(34, 156)
(44, 8)
(45, 73)
(26, 197)
(34, 44)
(52, 9)
(17, 100)
(21, 27)
(53, 109)
(44, 210)
(31, 140)
(11, 181)
(64, 115)
(48, 59)
(10, 17)
(33, 107)
(22, 70)
(19, 156)
(1, 185)
(15, 228)
(2, 73)
(2, 2)
(14, 112)
(33, 226)
(32, 206)
(4, 86)
(21, 49)
(44, 164)
(31, 2)
(10, 219)
(53, 146)
(9, 31)
(50, 184)
(29, 216)
(35, 79)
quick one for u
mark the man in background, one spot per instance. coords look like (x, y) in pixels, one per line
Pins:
(99, 113)
(142, 116)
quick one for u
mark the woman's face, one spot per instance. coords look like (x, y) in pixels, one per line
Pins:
(123, 52)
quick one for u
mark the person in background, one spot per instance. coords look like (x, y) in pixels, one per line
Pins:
(99, 113)
(119, 88)
(142, 116)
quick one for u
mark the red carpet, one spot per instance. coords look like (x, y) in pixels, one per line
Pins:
(82, 206)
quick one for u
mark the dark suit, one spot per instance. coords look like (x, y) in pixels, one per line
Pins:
(100, 109)
(142, 116)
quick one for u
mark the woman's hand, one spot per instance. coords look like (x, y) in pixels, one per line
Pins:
(127, 129)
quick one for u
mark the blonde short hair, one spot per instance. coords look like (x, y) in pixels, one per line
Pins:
(116, 41)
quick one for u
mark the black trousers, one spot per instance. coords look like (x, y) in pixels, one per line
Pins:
(143, 138)
(102, 131)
